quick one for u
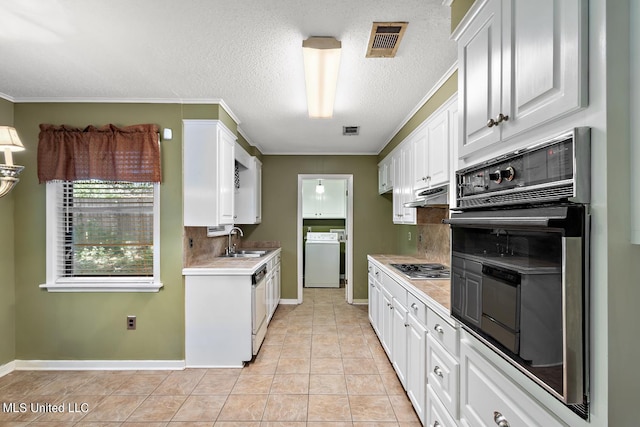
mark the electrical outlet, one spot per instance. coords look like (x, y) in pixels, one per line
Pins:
(131, 322)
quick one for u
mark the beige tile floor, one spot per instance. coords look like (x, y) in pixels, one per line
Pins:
(320, 365)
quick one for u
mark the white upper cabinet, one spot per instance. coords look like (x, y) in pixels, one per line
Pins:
(432, 147)
(330, 203)
(521, 64)
(385, 175)
(402, 160)
(208, 168)
(248, 197)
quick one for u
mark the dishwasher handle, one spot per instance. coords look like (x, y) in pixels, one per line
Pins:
(260, 274)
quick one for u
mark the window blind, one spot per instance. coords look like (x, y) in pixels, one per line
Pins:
(106, 229)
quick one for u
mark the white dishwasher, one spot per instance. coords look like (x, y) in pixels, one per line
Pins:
(322, 260)
(259, 307)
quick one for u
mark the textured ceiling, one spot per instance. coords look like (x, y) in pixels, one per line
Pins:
(247, 53)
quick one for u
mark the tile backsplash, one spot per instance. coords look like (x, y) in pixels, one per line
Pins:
(434, 237)
(197, 246)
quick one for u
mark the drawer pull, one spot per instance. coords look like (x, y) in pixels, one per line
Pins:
(438, 329)
(500, 420)
(414, 306)
(438, 371)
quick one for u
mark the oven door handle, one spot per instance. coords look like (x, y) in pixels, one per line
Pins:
(499, 221)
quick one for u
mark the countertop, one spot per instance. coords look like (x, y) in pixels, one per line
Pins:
(222, 266)
(434, 293)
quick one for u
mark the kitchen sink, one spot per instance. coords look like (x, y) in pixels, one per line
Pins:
(246, 254)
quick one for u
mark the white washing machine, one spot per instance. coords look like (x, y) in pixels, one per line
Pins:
(322, 261)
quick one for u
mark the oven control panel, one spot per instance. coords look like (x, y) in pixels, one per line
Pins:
(507, 179)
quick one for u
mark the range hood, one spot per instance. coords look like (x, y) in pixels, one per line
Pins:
(436, 196)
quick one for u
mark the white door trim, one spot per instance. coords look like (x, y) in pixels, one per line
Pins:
(348, 228)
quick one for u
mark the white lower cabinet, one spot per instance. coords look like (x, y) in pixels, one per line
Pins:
(447, 379)
(374, 298)
(489, 398)
(273, 285)
(416, 364)
(399, 341)
(436, 413)
(386, 320)
(443, 373)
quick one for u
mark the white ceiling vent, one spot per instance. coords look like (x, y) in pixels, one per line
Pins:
(350, 130)
(385, 38)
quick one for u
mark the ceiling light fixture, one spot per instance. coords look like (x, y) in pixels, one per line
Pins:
(321, 63)
(9, 142)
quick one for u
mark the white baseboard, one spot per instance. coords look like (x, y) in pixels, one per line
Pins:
(98, 365)
(7, 368)
(360, 302)
(289, 301)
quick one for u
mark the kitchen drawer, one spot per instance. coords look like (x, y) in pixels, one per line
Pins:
(489, 397)
(395, 289)
(372, 270)
(417, 308)
(437, 414)
(443, 374)
(443, 332)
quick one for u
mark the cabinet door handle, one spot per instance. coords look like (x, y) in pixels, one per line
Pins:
(414, 306)
(500, 420)
(501, 118)
(438, 329)
(438, 371)
(406, 325)
(436, 424)
(491, 123)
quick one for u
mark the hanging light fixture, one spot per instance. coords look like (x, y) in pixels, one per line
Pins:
(319, 187)
(321, 63)
(9, 142)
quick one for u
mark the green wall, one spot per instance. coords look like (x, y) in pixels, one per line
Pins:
(79, 326)
(459, 8)
(372, 227)
(7, 275)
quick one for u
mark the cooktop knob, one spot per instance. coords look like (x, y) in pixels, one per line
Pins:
(496, 176)
(508, 174)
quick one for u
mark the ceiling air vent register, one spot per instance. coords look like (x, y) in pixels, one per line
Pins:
(385, 39)
(350, 130)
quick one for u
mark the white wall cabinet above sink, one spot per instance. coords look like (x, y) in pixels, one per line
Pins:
(208, 180)
(248, 188)
(521, 64)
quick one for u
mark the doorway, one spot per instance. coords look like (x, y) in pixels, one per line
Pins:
(335, 221)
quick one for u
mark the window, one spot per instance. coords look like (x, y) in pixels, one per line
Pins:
(102, 236)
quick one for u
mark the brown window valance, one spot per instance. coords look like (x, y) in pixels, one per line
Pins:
(108, 153)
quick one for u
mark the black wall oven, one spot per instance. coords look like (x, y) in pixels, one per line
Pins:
(520, 261)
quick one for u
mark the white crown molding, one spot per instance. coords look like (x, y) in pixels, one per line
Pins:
(7, 97)
(432, 91)
(218, 101)
(98, 365)
(252, 143)
(328, 153)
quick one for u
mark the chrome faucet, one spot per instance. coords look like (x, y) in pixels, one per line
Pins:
(232, 249)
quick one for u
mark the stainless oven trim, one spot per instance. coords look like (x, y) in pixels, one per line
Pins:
(575, 297)
(572, 317)
(580, 184)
